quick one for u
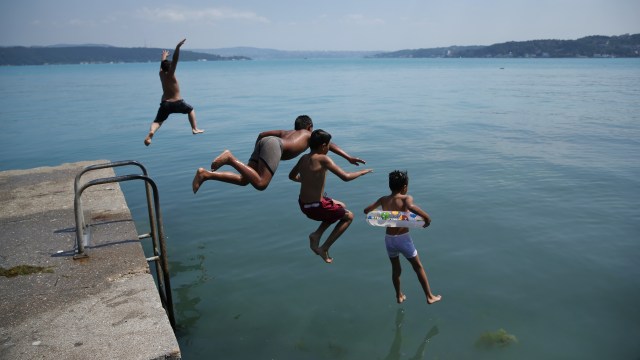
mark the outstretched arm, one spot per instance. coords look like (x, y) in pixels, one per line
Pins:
(176, 56)
(373, 206)
(337, 170)
(337, 150)
(417, 210)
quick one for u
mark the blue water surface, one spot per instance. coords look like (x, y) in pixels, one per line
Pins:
(528, 167)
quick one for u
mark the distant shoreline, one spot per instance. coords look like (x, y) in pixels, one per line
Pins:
(75, 55)
(623, 46)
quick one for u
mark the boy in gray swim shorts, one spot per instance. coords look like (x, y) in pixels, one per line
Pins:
(270, 148)
(397, 240)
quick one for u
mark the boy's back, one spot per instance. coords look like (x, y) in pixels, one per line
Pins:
(396, 202)
(310, 171)
(294, 143)
(170, 87)
(312, 175)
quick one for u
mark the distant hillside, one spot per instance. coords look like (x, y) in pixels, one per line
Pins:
(590, 46)
(94, 54)
(258, 53)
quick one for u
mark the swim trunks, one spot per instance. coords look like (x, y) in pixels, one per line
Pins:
(323, 210)
(402, 243)
(269, 150)
(172, 107)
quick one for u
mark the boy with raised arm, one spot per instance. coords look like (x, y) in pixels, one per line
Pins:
(397, 239)
(171, 101)
(310, 172)
(270, 147)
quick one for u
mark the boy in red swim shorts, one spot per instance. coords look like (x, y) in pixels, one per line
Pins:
(310, 172)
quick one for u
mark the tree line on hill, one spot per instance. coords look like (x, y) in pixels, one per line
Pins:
(590, 47)
(19, 55)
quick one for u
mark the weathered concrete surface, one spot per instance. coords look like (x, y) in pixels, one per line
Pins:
(104, 307)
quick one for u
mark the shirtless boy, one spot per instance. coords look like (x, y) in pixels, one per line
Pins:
(397, 240)
(310, 172)
(271, 147)
(172, 101)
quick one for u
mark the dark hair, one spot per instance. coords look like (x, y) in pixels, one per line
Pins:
(165, 65)
(303, 122)
(319, 137)
(397, 180)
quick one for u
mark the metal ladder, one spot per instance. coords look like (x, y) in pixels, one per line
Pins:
(156, 233)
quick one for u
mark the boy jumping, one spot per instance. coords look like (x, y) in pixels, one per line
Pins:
(270, 148)
(398, 240)
(310, 172)
(171, 101)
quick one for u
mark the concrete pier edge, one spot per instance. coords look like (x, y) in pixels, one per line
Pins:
(103, 307)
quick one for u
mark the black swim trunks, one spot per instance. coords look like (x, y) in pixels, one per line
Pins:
(172, 107)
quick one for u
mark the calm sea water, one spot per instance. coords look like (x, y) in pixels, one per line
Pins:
(529, 169)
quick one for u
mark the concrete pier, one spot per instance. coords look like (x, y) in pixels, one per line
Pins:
(103, 307)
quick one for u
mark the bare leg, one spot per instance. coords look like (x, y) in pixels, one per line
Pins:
(314, 237)
(154, 127)
(422, 277)
(194, 124)
(396, 270)
(221, 160)
(203, 175)
(256, 174)
(340, 228)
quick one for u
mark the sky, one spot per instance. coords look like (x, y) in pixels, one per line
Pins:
(385, 25)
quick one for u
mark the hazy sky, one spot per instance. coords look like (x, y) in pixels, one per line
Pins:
(310, 25)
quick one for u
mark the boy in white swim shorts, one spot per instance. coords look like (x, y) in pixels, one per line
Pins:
(397, 239)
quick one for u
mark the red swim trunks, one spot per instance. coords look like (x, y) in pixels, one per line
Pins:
(324, 210)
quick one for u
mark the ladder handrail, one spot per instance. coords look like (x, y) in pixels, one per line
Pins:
(157, 231)
(152, 221)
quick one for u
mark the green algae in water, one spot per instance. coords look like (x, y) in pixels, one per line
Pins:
(24, 270)
(499, 338)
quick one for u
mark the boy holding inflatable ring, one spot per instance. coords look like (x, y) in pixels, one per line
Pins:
(310, 172)
(397, 239)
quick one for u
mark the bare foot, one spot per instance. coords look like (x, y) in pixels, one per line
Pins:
(401, 298)
(433, 299)
(324, 254)
(198, 179)
(222, 159)
(147, 140)
(197, 131)
(314, 243)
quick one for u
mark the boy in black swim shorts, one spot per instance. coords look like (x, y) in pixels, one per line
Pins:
(172, 101)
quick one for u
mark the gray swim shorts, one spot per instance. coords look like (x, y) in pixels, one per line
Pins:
(269, 150)
(397, 244)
